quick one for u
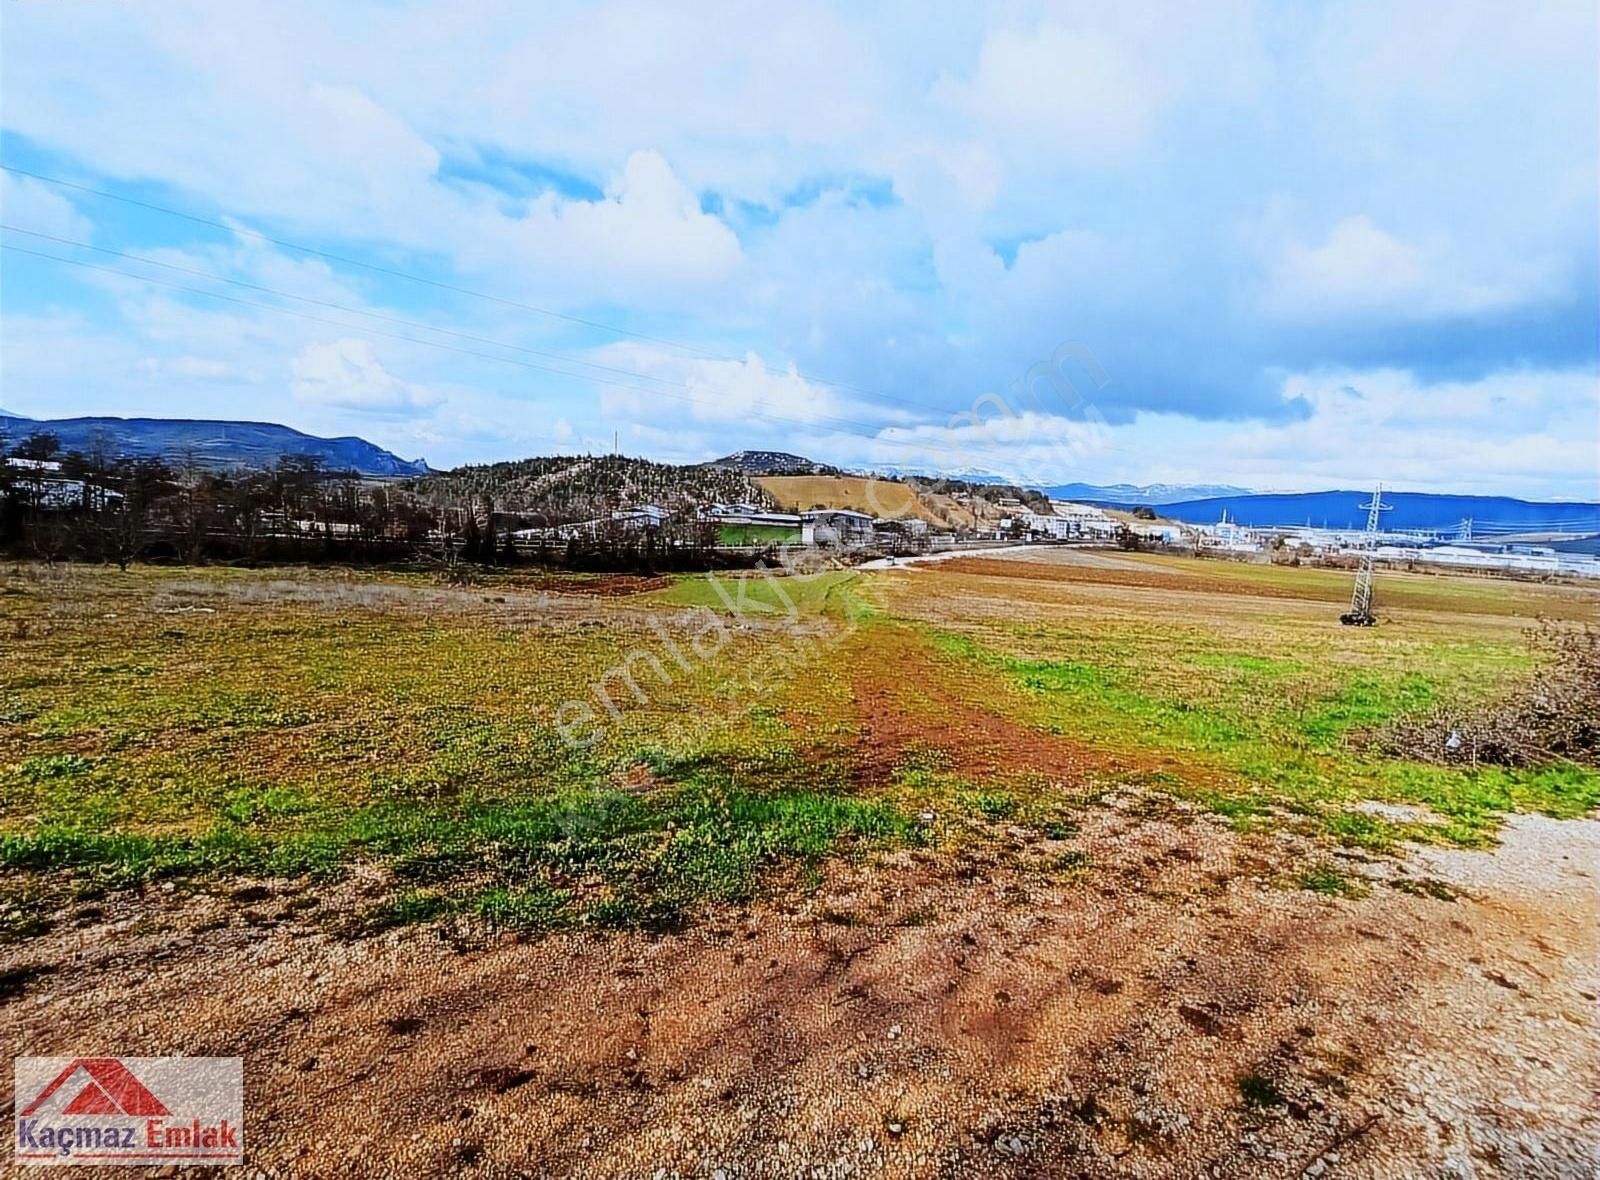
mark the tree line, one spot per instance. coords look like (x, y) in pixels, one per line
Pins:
(92, 505)
(558, 489)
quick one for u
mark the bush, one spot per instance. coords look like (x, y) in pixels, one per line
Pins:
(1555, 717)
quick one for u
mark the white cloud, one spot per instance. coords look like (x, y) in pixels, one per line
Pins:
(33, 205)
(190, 368)
(1521, 431)
(49, 359)
(1024, 444)
(353, 129)
(1401, 51)
(347, 373)
(745, 393)
(1059, 170)
(647, 228)
(1071, 90)
(1360, 268)
(319, 130)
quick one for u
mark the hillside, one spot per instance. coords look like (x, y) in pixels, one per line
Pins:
(1412, 510)
(942, 505)
(214, 444)
(582, 487)
(772, 463)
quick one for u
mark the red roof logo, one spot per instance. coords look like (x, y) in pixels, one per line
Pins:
(110, 1089)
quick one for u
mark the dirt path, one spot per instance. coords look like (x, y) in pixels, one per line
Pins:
(1171, 1011)
(907, 705)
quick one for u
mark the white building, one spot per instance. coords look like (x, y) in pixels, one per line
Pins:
(1584, 565)
(840, 526)
(1230, 535)
(1057, 527)
(1087, 520)
(41, 485)
(1065, 521)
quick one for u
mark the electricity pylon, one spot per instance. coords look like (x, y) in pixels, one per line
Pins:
(1360, 612)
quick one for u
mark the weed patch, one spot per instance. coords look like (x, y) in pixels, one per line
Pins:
(1330, 882)
(1259, 1092)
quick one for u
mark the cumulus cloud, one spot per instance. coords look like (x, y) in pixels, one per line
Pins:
(1360, 269)
(1066, 89)
(710, 390)
(1064, 171)
(648, 227)
(347, 373)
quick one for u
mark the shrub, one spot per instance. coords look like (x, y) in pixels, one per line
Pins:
(1555, 717)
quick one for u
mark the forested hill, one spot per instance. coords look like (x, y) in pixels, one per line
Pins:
(210, 444)
(566, 488)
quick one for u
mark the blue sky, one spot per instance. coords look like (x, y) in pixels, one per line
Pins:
(1283, 246)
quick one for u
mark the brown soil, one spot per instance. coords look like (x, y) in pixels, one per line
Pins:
(905, 705)
(1151, 998)
(605, 586)
(1150, 576)
(1411, 591)
(1170, 1011)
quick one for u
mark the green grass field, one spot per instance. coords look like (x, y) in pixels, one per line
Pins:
(215, 724)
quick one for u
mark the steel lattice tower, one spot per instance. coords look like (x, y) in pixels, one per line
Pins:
(1360, 612)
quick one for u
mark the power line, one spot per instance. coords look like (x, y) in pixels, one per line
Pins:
(836, 425)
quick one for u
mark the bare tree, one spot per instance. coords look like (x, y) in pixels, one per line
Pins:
(124, 522)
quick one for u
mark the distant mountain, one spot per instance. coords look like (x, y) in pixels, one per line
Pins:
(972, 475)
(1155, 493)
(1121, 493)
(216, 444)
(771, 463)
(1412, 510)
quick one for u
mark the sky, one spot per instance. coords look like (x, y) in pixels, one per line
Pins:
(1279, 246)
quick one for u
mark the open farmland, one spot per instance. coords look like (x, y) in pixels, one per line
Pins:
(1078, 865)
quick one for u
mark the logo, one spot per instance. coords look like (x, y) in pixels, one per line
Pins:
(129, 1110)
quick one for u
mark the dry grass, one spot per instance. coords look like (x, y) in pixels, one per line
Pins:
(876, 497)
(952, 872)
(306, 722)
